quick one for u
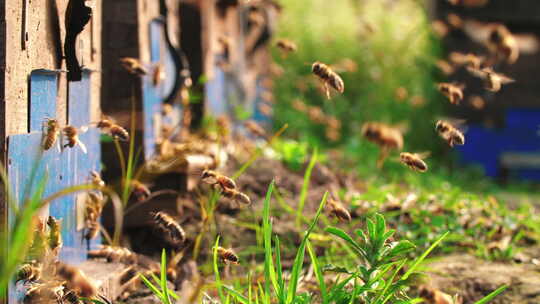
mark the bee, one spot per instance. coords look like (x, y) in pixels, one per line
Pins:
(435, 296)
(55, 237)
(385, 136)
(255, 128)
(28, 272)
(127, 275)
(468, 60)
(236, 196)
(116, 131)
(439, 28)
(96, 180)
(445, 67)
(71, 298)
(140, 190)
(286, 46)
(450, 133)
(492, 81)
(299, 105)
(40, 246)
(133, 66)
(227, 255)
(72, 137)
(76, 280)
(114, 254)
(212, 177)
(345, 65)
(414, 161)
(454, 20)
(328, 77)
(337, 209)
(93, 208)
(316, 114)
(503, 44)
(173, 232)
(477, 102)
(452, 91)
(51, 134)
(158, 75)
(401, 93)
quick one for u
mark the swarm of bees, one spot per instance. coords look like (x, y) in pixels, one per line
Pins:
(328, 77)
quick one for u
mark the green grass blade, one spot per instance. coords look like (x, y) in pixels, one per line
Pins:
(153, 288)
(299, 259)
(269, 268)
(318, 272)
(305, 187)
(344, 236)
(279, 268)
(164, 288)
(389, 283)
(492, 295)
(236, 295)
(423, 256)
(216, 272)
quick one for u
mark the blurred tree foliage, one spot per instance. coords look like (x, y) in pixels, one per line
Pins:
(394, 50)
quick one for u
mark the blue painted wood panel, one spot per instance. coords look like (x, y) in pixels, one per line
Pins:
(43, 92)
(62, 168)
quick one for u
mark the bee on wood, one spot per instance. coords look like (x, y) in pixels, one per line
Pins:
(133, 66)
(140, 190)
(212, 177)
(414, 161)
(255, 128)
(44, 293)
(28, 272)
(450, 133)
(72, 137)
(93, 207)
(96, 180)
(286, 46)
(492, 81)
(468, 60)
(76, 280)
(337, 209)
(173, 232)
(236, 196)
(55, 237)
(39, 248)
(109, 127)
(51, 133)
(227, 255)
(385, 136)
(452, 91)
(158, 75)
(328, 77)
(127, 275)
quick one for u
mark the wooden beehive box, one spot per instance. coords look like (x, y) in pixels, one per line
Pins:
(35, 88)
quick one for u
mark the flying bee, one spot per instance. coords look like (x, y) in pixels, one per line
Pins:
(173, 232)
(385, 136)
(450, 133)
(127, 275)
(72, 137)
(452, 91)
(227, 255)
(28, 272)
(286, 46)
(414, 161)
(445, 67)
(212, 177)
(492, 81)
(328, 77)
(71, 297)
(468, 60)
(158, 75)
(255, 128)
(55, 237)
(337, 209)
(435, 296)
(111, 128)
(76, 280)
(140, 190)
(133, 66)
(114, 254)
(51, 134)
(236, 196)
